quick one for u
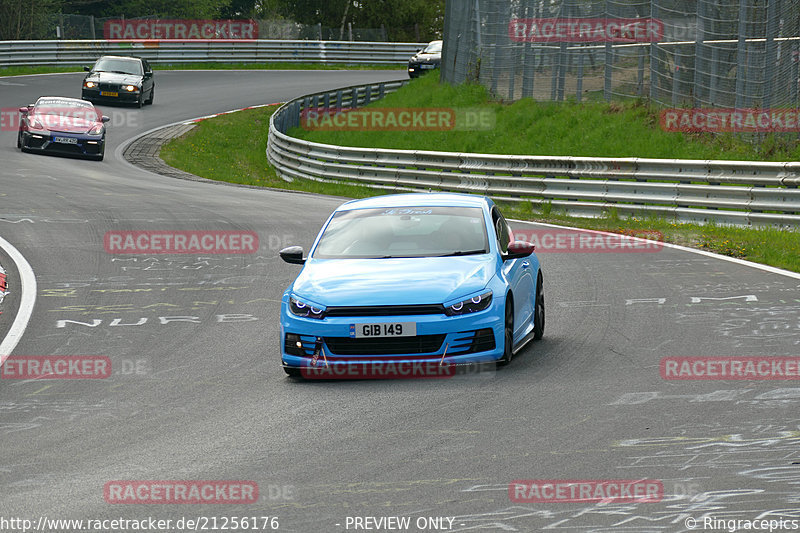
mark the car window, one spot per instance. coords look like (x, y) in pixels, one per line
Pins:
(501, 229)
(120, 65)
(434, 47)
(403, 232)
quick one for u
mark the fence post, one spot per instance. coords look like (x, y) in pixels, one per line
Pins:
(579, 85)
(740, 54)
(676, 76)
(714, 82)
(699, 46)
(640, 76)
(654, 56)
(770, 55)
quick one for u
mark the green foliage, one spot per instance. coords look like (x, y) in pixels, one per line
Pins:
(175, 9)
(27, 19)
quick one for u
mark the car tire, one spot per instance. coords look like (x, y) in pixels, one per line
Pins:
(508, 333)
(140, 101)
(538, 310)
(19, 140)
(152, 94)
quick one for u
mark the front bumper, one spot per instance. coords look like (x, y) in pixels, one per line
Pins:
(84, 145)
(459, 340)
(123, 97)
(417, 68)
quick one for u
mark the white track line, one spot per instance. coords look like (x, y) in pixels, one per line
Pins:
(742, 262)
(27, 300)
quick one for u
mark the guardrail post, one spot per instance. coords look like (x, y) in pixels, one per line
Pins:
(367, 95)
(381, 90)
(339, 99)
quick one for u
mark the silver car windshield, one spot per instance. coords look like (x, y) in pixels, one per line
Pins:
(404, 232)
(433, 48)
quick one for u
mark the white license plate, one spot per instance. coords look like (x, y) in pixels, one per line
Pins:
(65, 140)
(426, 66)
(388, 329)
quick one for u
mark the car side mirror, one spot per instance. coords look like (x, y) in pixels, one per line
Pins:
(105, 119)
(87, 69)
(24, 110)
(293, 255)
(518, 250)
(148, 74)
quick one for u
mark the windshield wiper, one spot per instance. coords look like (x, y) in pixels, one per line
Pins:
(463, 252)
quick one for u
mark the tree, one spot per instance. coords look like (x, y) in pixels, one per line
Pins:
(27, 19)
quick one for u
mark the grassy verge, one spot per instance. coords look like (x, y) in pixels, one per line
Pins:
(232, 148)
(18, 71)
(588, 129)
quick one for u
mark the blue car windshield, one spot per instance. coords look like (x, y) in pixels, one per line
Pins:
(404, 232)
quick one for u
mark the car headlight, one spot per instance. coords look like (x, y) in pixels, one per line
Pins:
(470, 305)
(130, 88)
(305, 310)
(35, 124)
(89, 84)
(97, 129)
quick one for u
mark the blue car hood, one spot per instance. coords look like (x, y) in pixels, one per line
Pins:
(406, 281)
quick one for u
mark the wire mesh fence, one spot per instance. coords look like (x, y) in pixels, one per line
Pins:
(679, 53)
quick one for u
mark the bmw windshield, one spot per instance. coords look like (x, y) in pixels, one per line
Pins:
(404, 232)
(118, 65)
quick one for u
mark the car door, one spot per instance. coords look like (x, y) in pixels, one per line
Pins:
(147, 81)
(519, 274)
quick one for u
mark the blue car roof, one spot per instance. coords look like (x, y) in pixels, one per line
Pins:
(417, 200)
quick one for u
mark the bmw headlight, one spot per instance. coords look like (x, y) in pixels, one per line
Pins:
(130, 88)
(470, 305)
(306, 310)
(89, 84)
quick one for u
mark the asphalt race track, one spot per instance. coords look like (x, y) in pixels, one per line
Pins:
(197, 393)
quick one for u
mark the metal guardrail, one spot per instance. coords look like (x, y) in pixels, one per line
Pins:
(728, 192)
(21, 53)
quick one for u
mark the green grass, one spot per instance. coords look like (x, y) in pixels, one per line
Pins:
(17, 71)
(232, 148)
(588, 129)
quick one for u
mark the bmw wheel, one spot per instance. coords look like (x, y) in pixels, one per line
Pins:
(538, 311)
(152, 94)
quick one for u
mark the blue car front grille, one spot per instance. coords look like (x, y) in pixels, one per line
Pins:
(386, 310)
(481, 340)
(420, 344)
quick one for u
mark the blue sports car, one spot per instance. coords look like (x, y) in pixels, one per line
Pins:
(412, 278)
